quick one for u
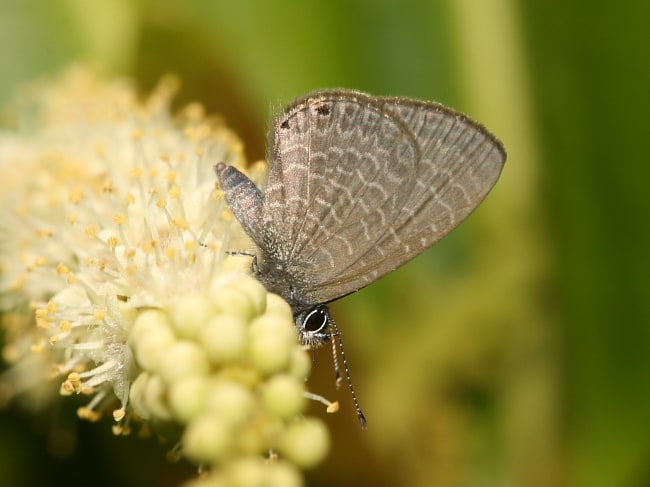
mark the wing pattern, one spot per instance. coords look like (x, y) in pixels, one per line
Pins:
(359, 185)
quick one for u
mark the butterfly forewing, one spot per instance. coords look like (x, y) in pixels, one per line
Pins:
(337, 160)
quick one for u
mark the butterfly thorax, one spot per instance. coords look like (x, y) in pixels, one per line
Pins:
(285, 280)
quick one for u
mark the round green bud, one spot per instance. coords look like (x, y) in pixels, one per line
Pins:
(275, 305)
(230, 300)
(224, 338)
(136, 395)
(246, 472)
(231, 401)
(300, 363)
(250, 439)
(271, 340)
(282, 474)
(305, 443)
(187, 396)
(283, 395)
(155, 398)
(182, 359)
(190, 313)
(150, 338)
(207, 439)
(255, 291)
(269, 354)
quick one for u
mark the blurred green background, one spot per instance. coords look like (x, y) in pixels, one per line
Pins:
(516, 352)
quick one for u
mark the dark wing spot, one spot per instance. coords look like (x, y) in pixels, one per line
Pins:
(323, 110)
(284, 125)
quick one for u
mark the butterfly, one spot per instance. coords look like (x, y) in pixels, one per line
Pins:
(358, 185)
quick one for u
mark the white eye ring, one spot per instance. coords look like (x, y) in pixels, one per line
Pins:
(315, 321)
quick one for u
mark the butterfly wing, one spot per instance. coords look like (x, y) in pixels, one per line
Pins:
(359, 185)
(337, 159)
(458, 163)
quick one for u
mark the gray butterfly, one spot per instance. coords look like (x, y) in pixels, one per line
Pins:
(358, 185)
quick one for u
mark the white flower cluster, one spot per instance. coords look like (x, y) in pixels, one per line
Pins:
(115, 275)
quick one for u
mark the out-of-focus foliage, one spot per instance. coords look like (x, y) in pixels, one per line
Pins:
(513, 353)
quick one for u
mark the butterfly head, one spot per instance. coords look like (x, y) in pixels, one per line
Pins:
(313, 325)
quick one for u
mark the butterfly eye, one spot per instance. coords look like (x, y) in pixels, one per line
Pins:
(315, 321)
(313, 326)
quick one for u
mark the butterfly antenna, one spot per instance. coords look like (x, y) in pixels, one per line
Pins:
(337, 369)
(360, 415)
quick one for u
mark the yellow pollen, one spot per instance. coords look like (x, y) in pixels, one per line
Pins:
(130, 198)
(137, 134)
(40, 261)
(73, 382)
(131, 269)
(91, 232)
(334, 407)
(175, 192)
(99, 315)
(113, 241)
(75, 195)
(170, 253)
(171, 176)
(226, 215)
(130, 253)
(119, 218)
(43, 324)
(62, 269)
(72, 218)
(118, 414)
(121, 430)
(161, 203)
(41, 313)
(65, 326)
(179, 223)
(72, 279)
(136, 172)
(54, 339)
(51, 307)
(147, 246)
(165, 158)
(108, 186)
(88, 414)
